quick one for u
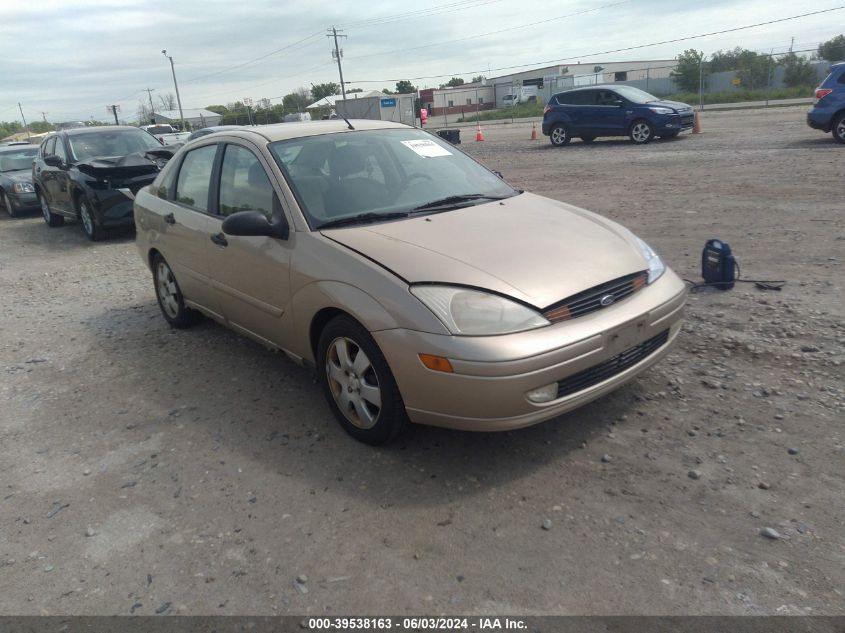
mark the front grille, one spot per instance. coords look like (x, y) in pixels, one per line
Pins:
(611, 367)
(590, 300)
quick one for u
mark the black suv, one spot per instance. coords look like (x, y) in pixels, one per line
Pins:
(92, 174)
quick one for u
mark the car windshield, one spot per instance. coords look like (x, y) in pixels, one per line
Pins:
(17, 159)
(371, 173)
(107, 143)
(635, 95)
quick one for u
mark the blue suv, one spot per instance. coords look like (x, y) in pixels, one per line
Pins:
(828, 111)
(613, 111)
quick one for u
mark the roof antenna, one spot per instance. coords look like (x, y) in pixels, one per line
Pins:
(348, 124)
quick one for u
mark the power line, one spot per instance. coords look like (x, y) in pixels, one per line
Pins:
(420, 13)
(608, 52)
(505, 30)
(256, 59)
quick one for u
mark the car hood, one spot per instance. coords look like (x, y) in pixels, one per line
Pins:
(129, 166)
(528, 247)
(19, 175)
(675, 105)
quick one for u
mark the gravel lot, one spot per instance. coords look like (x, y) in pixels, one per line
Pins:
(149, 470)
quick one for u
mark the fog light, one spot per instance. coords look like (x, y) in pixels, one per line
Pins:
(542, 394)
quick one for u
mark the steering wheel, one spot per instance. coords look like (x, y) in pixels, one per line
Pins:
(415, 176)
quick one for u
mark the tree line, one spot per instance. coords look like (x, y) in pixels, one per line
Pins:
(755, 70)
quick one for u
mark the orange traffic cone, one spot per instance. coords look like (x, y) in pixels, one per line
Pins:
(696, 124)
(533, 131)
(478, 135)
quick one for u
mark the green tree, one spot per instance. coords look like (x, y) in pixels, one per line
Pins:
(454, 82)
(797, 71)
(328, 89)
(7, 128)
(386, 91)
(754, 71)
(217, 109)
(405, 87)
(478, 79)
(39, 127)
(296, 101)
(833, 50)
(686, 73)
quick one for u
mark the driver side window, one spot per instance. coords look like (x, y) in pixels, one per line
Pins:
(244, 185)
(60, 150)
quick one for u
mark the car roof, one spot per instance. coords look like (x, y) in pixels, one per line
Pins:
(98, 128)
(285, 131)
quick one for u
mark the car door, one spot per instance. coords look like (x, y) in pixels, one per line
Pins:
(610, 112)
(251, 275)
(185, 231)
(61, 199)
(44, 172)
(581, 109)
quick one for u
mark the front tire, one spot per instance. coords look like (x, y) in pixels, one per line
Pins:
(641, 132)
(50, 218)
(93, 231)
(838, 129)
(4, 202)
(358, 384)
(169, 296)
(559, 135)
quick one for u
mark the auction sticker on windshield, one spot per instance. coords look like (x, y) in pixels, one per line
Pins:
(429, 149)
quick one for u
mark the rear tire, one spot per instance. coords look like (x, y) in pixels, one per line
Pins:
(50, 218)
(559, 135)
(169, 296)
(838, 128)
(358, 384)
(641, 132)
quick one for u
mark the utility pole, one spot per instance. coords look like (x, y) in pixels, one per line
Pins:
(26, 129)
(44, 116)
(175, 85)
(791, 44)
(152, 107)
(113, 109)
(337, 54)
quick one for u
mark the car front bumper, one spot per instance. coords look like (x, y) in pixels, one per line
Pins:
(670, 123)
(492, 374)
(113, 207)
(23, 201)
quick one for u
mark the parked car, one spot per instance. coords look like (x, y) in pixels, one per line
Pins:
(211, 130)
(159, 128)
(613, 111)
(93, 173)
(828, 111)
(16, 191)
(420, 285)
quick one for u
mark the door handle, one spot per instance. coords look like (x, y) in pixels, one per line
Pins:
(170, 218)
(220, 239)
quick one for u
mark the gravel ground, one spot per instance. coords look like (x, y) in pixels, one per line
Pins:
(149, 470)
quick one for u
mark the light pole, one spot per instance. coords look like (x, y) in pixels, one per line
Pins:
(176, 85)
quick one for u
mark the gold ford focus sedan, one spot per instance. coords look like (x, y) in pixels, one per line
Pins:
(419, 284)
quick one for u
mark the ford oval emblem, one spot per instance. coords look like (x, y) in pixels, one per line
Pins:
(606, 300)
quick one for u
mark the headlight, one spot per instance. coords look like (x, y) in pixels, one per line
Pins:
(656, 267)
(657, 110)
(23, 187)
(472, 312)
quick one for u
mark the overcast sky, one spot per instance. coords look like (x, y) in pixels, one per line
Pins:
(72, 58)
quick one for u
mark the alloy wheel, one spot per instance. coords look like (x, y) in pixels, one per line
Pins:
(840, 129)
(45, 209)
(559, 135)
(353, 382)
(641, 132)
(87, 220)
(168, 291)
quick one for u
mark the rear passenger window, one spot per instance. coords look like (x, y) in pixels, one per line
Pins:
(244, 185)
(195, 177)
(583, 97)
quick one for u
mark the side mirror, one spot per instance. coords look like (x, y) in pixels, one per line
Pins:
(52, 160)
(252, 223)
